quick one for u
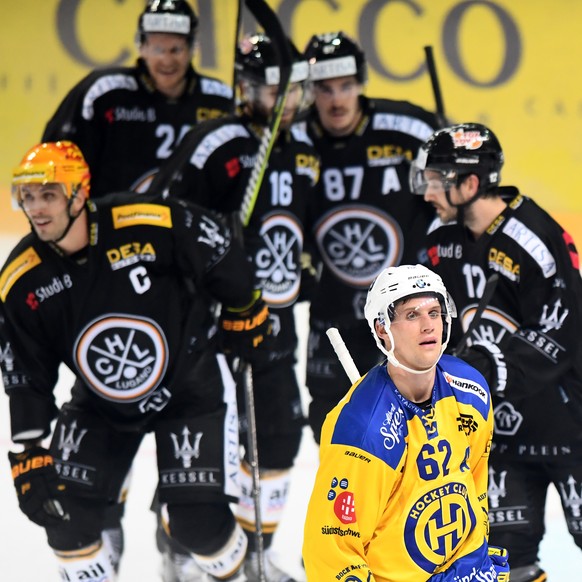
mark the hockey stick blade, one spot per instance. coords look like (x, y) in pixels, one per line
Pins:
(343, 354)
(490, 286)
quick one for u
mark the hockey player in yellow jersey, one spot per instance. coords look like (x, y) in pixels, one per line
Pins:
(401, 491)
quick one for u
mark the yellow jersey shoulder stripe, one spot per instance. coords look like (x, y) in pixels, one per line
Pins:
(23, 263)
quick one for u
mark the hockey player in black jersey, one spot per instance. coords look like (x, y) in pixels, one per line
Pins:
(212, 167)
(365, 219)
(526, 341)
(122, 291)
(128, 120)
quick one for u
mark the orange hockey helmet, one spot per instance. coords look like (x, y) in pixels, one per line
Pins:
(52, 162)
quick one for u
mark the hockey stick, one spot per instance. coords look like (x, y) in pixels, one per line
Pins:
(436, 88)
(343, 354)
(490, 286)
(269, 21)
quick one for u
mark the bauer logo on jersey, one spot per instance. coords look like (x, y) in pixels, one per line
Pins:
(122, 358)
(140, 214)
(277, 261)
(357, 242)
(466, 385)
(437, 524)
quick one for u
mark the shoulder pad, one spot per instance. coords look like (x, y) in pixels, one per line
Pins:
(408, 124)
(141, 214)
(299, 133)
(16, 268)
(210, 86)
(105, 84)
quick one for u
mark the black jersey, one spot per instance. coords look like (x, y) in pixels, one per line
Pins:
(213, 166)
(128, 319)
(126, 128)
(534, 318)
(365, 219)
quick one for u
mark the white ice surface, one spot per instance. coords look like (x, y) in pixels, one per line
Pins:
(25, 556)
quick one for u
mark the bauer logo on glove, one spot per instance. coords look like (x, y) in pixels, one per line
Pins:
(245, 329)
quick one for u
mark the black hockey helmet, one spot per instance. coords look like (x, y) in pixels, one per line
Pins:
(333, 55)
(168, 16)
(257, 61)
(457, 151)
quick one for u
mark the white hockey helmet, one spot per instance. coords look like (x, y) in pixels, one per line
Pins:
(393, 285)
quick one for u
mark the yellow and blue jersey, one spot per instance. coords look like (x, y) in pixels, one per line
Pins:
(401, 491)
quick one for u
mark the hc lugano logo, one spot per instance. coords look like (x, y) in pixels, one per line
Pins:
(356, 243)
(277, 261)
(186, 450)
(122, 358)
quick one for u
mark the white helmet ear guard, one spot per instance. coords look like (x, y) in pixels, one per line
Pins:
(397, 283)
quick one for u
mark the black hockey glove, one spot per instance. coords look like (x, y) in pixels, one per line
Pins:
(246, 331)
(37, 486)
(490, 361)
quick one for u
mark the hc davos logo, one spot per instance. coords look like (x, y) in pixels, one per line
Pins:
(437, 523)
(122, 357)
(186, 451)
(357, 242)
(277, 260)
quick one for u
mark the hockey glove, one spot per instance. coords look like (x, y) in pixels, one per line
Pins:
(490, 361)
(246, 331)
(499, 558)
(37, 486)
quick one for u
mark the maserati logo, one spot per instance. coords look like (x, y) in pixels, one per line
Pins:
(186, 450)
(496, 489)
(71, 441)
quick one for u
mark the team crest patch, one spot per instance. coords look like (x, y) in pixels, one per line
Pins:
(357, 243)
(437, 524)
(122, 358)
(277, 260)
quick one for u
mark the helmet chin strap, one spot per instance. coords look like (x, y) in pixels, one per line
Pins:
(394, 361)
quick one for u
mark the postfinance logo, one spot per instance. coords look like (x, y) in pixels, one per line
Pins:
(437, 524)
